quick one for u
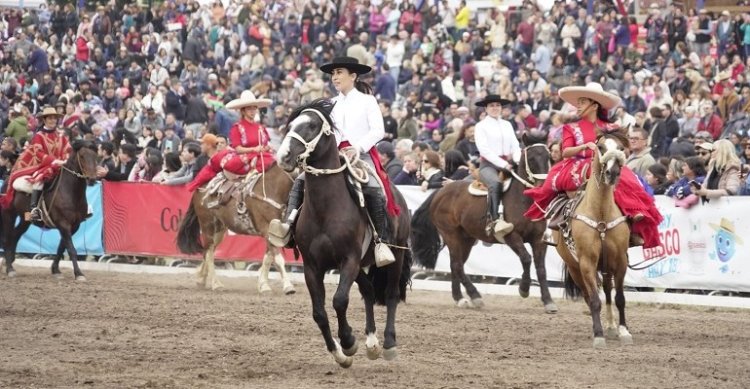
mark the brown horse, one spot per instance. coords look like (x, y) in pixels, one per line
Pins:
(65, 201)
(333, 232)
(460, 218)
(265, 204)
(596, 241)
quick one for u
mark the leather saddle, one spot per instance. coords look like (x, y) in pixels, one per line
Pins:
(477, 188)
(227, 186)
(561, 208)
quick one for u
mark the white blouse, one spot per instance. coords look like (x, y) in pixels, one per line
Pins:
(496, 139)
(358, 120)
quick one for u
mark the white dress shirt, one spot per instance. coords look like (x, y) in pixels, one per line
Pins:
(495, 139)
(358, 120)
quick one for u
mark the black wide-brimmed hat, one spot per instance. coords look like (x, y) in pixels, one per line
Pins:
(492, 99)
(348, 63)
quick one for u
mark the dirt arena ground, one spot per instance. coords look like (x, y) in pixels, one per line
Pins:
(137, 331)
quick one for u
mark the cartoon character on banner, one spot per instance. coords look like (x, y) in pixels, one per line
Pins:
(725, 241)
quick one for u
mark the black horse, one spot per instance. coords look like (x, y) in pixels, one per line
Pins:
(65, 199)
(332, 232)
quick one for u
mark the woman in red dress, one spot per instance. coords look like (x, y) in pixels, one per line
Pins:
(248, 140)
(578, 143)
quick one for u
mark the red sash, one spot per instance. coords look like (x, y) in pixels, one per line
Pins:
(391, 205)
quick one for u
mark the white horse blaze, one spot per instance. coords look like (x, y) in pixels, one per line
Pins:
(286, 144)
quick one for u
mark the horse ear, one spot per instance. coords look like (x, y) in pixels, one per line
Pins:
(77, 145)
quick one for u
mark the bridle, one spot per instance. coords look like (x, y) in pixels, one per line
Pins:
(311, 145)
(532, 178)
(73, 172)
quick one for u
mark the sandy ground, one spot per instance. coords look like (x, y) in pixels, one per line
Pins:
(136, 331)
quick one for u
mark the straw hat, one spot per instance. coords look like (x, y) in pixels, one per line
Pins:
(593, 91)
(728, 227)
(723, 76)
(49, 111)
(247, 99)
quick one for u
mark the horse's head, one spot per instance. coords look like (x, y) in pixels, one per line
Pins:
(83, 161)
(536, 159)
(611, 156)
(308, 127)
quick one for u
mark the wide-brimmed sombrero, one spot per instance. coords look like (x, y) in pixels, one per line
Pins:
(349, 63)
(49, 111)
(492, 99)
(593, 91)
(728, 227)
(723, 76)
(247, 99)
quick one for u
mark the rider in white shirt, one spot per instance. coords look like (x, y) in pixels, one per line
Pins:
(359, 124)
(499, 151)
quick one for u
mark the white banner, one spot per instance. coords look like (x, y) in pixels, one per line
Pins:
(704, 248)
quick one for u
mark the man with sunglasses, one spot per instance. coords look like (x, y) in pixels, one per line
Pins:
(703, 150)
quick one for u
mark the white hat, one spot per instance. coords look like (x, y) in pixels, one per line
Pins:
(593, 91)
(248, 99)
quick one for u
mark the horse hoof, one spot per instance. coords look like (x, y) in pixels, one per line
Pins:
(373, 353)
(347, 363)
(264, 289)
(464, 303)
(351, 350)
(57, 276)
(523, 292)
(550, 308)
(626, 339)
(390, 354)
(80, 279)
(12, 274)
(289, 290)
(477, 303)
(600, 343)
(611, 333)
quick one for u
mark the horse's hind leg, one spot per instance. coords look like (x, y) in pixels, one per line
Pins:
(278, 260)
(56, 262)
(589, 277)
(11, 241)
(368, 295)
(540, 251)
(611, 330)
(622, 329)
(314, 282)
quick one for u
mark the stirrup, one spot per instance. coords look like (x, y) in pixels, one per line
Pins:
(549, 237)
(383, 255)
(35, 215)
(279, 233)
(502, 227)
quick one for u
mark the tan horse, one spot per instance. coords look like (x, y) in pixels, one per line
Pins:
(265, 203)
(595, 241)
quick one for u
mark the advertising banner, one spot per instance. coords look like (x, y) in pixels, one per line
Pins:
(705, 247)
(143, 219)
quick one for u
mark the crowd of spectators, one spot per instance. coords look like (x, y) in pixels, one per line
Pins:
(146, 83)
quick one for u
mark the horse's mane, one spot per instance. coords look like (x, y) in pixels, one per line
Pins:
(620, 135)
(322, 105)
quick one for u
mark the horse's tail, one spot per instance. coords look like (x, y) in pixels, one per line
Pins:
(378, 276)
(189, 235)
(572, 291)
(424, 235)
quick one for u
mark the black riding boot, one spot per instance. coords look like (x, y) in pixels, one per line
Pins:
(35, 213)
(375, 203)
(494, 198)
(280, 233)
(376, 208)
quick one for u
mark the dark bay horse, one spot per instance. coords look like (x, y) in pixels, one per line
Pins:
(598, 241)
(65, 199)
(203, 228)
(332, 232)
(459, 218)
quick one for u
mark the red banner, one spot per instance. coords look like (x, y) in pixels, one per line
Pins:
(143, 219)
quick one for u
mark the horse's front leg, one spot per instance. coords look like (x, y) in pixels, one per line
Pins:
(540, 251)
(66, 235)
(590, 287)
(278, 260)
(349, 271)
(265, 267)
(56, 262)
(314, 282)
